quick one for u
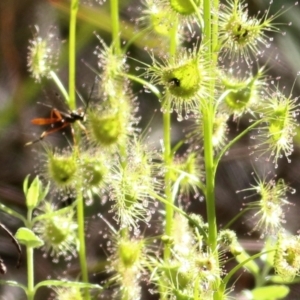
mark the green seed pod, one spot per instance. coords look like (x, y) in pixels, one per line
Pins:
(42, 56)
(239, 99)
(227, 237)
(93, 171)
(106, 130)
(130, 189)
(242, 95)
(183, 81)
(220, 129)
(160, 20)
(186, 172)
(278, 122)
(287, 257)
(184, 7)
(57, 229)
(62, 169)
(167, 240)
(195, 221)
(185, 78)
(178, 275)
(129, 252)
(241, 34)
(70, 293)
(181, 295)
(280, 115)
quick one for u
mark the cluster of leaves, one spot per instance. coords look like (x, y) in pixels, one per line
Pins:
(111, 160)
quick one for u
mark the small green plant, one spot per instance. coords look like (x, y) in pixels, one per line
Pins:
(110, 158)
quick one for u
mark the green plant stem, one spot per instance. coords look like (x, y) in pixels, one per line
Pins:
(236, 217)
(72, 53)
(240, 265)
(215, 31)
(167, 150)
(30, 273)
(30, 260)
(210, 180)
(81, 237)
(72, 104)
(59, 85)
(208, 111)
(145, 83)
(115, 23)
(167, 161)
(13, 213)
(208, 118)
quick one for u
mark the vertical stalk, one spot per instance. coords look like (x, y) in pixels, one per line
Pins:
(210, 40)
(167, 148)
(30, 260)
(167, 160)
(215, 32)
(72, 53)
(210, 179)
(72, 104)
(208, 118)
(81, 237)
(115, 23)
(30, 273)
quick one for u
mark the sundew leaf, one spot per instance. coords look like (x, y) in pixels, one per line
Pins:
(28, 238)
(12, 212)
(14, 283)
(268, 257)
(77, 284)
(280, 280)
(272, 292)
(251, 265)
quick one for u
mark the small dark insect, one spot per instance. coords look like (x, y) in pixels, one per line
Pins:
(175, 82)
(245, 33)
(3, 268)
(241, 33)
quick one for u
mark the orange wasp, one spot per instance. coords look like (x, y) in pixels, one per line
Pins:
(58, 120)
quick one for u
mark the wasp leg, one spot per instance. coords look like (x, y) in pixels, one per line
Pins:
(47, 132)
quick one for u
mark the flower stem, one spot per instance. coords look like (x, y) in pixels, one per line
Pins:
(30, 260)
(72, 104)
(72, 53)
(115, 23)
(81, 237)
(208, 119)
(167, 150)
(59, 85)
(208, 111)
(30, 273)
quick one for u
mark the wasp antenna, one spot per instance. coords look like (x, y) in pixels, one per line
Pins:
(90, 95)
(89, 66)
(45, 104)
(32, 142)
(80, 97)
